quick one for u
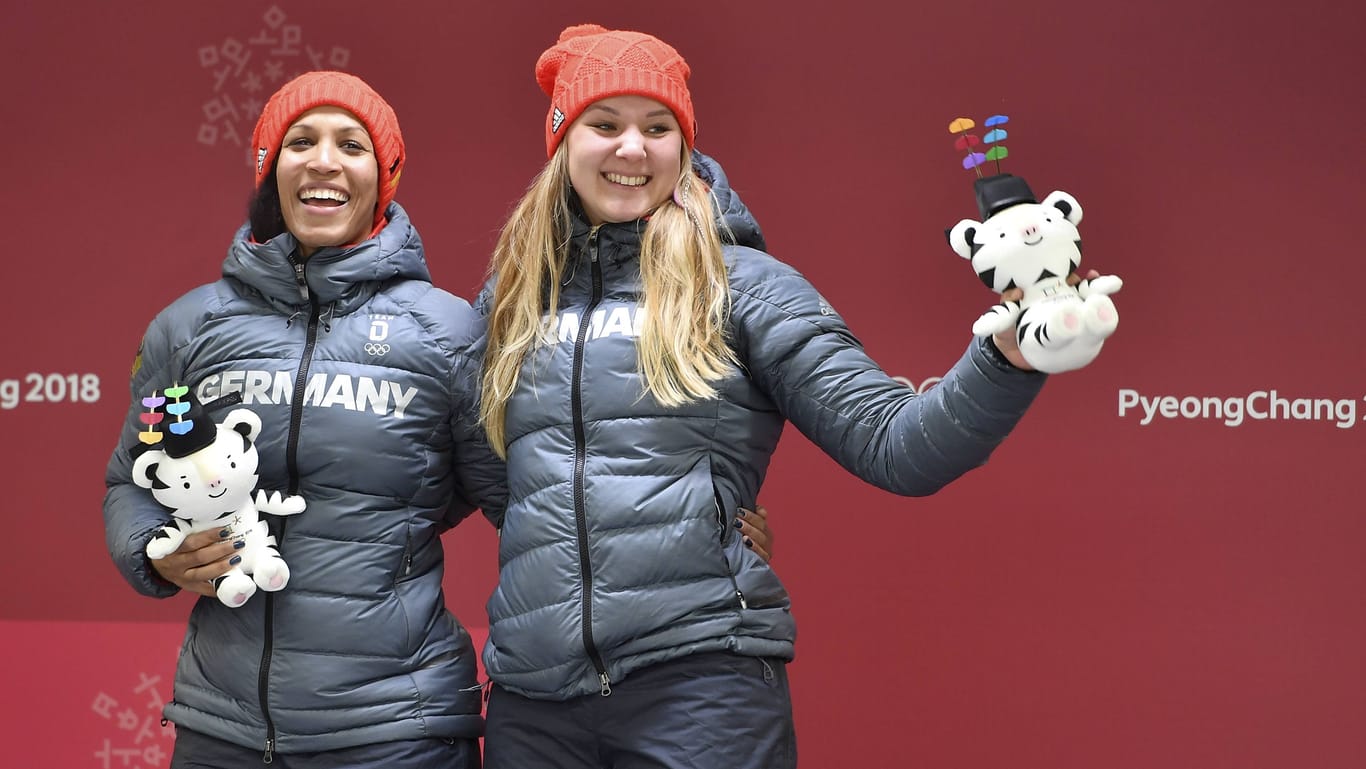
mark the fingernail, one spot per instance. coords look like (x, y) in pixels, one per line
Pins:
(224, 533)
(236, 559)
(739, 525)
(742, 512)
(239, 544)
(749, 543)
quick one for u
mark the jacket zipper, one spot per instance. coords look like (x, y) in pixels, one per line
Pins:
(292, 465)
(726, 533)
(581, 459)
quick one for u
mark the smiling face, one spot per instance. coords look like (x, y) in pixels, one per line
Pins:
(625, 155)
(328, 179)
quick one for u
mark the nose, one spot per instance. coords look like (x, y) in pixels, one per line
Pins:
(324, 158)
(632, 145)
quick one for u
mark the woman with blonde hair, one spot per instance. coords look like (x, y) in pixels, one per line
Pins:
(643, 354)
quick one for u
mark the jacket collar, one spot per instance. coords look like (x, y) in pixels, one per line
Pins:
(344, 277)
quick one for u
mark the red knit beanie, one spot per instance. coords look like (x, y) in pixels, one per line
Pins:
(590, 62)
(337, 89)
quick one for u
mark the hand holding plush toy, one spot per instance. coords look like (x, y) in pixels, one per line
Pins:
(205, 473)
(1035, 247)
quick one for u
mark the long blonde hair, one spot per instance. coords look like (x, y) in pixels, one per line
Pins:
(682, 349)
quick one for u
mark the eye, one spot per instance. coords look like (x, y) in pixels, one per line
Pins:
(232, 465)
(659, 130)
(300, 142)
(187, 485)
(351, 145)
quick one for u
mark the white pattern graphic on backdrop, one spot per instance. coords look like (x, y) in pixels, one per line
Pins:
(136, 738)
(245, 71)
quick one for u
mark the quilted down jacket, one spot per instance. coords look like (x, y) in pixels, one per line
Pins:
(364, 377)
(617, 549)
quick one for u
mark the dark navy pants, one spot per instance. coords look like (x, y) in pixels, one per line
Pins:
(707, 711)
(194, 750)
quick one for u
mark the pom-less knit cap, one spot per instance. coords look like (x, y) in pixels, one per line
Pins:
(337, 89)
(589, 63)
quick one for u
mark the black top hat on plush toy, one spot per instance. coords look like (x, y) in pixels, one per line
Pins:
(176, 423)
(998, 192)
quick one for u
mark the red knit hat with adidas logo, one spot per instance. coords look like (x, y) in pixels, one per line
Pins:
(590, 62)
(335, 89)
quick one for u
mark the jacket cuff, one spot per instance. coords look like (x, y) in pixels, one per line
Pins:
(987, 346)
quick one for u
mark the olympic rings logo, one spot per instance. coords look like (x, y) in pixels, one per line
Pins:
(376, 349)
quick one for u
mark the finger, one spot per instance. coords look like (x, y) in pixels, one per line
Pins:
(182, 578)
(757, 519)
(757, 539)
(764, 554)
(203, 539)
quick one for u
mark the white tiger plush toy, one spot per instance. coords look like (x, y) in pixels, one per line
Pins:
(1035, 247)
(206, 473)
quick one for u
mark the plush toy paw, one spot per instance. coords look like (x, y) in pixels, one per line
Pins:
(278, 504)
(1064, 325)
(271, 573)
(994, 321)
(1101, 316)
(1106, 284)
(161, 546)
(234, 588)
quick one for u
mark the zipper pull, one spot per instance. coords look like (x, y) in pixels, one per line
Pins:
(269, 757)
(743, 603)
(606, 683)
(299, 278)
(408, 564)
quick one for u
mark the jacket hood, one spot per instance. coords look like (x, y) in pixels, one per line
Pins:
(731, 212)
(344, 277)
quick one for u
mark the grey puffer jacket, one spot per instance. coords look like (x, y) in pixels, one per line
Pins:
(618, 549)
(365, 385)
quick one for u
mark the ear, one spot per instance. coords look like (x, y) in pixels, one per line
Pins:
(961, 238)
(1065, 203)
(145, 468)
(244, 422)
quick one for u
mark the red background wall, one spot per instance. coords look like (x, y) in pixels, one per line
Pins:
(1105, 593)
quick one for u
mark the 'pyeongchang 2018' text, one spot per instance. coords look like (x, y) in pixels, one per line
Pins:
(1260, 405)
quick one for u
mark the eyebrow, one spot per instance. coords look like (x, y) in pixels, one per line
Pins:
(310, 127)
(655, 113)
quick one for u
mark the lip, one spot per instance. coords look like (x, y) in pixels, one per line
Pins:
(313, 207)
(648, 178)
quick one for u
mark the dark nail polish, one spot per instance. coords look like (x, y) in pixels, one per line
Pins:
(742, 512)
(738, 525)
(236, 559)
(224, 533)
(239, 544)
(749, 543)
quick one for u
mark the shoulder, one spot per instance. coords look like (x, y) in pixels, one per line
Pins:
(449, 320)
(760, 280)
(191, 310)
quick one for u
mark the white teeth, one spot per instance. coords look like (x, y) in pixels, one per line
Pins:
(324, 194)
(629, 181)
